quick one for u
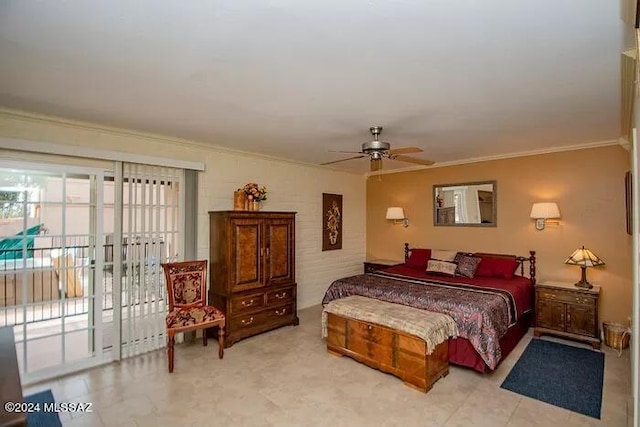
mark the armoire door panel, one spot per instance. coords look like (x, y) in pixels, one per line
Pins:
(280, 253)
(249, 252)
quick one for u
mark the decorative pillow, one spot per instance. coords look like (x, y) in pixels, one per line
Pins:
(443, 255)
(418, 258)
(502, 268)
(441, 267)
(467, 265)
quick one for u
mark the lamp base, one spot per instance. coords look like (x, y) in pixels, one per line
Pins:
(583, 279)
(581, 284)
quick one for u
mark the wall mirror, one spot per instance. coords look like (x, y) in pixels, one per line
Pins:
(469, 204)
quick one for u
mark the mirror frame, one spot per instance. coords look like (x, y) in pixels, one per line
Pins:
(494, 210)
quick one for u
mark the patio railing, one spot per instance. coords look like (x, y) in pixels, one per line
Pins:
(56, 279)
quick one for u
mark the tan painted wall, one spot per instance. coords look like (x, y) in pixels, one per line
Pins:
(588, 186)
(292, 187)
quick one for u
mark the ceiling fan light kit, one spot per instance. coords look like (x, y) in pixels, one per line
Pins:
(377, 150)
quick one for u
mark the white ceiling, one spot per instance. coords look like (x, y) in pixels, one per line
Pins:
(293, 79)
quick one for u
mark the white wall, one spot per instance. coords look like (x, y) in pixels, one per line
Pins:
(291, 186)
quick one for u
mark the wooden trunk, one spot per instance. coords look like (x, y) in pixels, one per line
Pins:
(388, 350)
(252, 261)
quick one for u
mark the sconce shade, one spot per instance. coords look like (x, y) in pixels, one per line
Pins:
(395, 213)
(584, 257)
(545, 210)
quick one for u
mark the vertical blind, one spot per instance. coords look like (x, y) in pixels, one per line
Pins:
(152, 227)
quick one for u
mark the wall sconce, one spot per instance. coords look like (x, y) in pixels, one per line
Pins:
(396, 214)
(542, 212)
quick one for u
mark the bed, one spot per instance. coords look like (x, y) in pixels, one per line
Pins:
(492, 312)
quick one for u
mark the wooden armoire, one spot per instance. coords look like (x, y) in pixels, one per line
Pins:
(252, 270)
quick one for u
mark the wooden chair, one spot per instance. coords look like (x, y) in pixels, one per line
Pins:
(186, 287)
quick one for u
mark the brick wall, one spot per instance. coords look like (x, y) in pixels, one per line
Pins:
(299, 188)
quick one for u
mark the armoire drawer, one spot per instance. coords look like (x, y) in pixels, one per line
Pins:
(280, 296)
(240, 304)
(267, 316)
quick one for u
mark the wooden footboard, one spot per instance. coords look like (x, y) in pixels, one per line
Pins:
(387, 350)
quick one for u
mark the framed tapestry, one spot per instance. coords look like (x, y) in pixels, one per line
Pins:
(331, 221)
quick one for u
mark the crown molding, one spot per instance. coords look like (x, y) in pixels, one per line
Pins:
(624, 143)
(542, 151)
(88, 126)
(81, 125)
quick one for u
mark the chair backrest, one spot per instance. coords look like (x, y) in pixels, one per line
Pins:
(186, 283)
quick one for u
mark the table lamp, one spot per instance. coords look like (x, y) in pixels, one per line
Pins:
(584, 258)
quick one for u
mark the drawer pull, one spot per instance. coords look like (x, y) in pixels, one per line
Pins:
(247, 322)
(568, 317)
(281, 296)
(248, 304)
(369, 327)
(551, 296)
(280, 313)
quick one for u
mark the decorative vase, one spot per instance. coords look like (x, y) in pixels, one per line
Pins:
(254, 206)
(239, 200)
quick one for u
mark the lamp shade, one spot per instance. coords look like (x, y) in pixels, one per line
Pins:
(584, 257)
(395, 213)
(545, 210)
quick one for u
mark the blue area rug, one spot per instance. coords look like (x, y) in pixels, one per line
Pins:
(41, 418)
(564, 376)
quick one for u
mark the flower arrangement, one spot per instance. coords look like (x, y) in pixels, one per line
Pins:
(255, 192)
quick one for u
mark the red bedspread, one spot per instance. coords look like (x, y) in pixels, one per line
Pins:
(483, 308)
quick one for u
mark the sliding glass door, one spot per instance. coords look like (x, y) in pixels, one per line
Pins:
(50, 228)
(81, 281)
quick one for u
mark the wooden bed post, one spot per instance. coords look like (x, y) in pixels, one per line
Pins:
(406, 251)
(532, 266)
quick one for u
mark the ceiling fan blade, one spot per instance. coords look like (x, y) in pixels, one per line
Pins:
(351, 152)
(343, 160)
(405, 150)
(414, 160)
(376, 165)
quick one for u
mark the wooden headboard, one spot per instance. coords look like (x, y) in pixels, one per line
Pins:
(531, 259)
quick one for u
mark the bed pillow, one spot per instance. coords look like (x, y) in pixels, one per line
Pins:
(441, 267)
(418, 258)
(442, 255)
(466, 265)
(502, 268)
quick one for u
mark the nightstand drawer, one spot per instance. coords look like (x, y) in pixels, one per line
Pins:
(563, 296)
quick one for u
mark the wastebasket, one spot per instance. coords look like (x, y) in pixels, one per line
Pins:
(616, 335)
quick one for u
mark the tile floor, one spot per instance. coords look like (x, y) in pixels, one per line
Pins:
(286, 378)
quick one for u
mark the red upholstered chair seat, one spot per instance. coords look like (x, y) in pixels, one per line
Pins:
(182, 317)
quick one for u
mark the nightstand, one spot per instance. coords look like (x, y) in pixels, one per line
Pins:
(567, 311)
(378, 264)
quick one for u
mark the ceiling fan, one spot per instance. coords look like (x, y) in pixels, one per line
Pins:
(377, 150)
